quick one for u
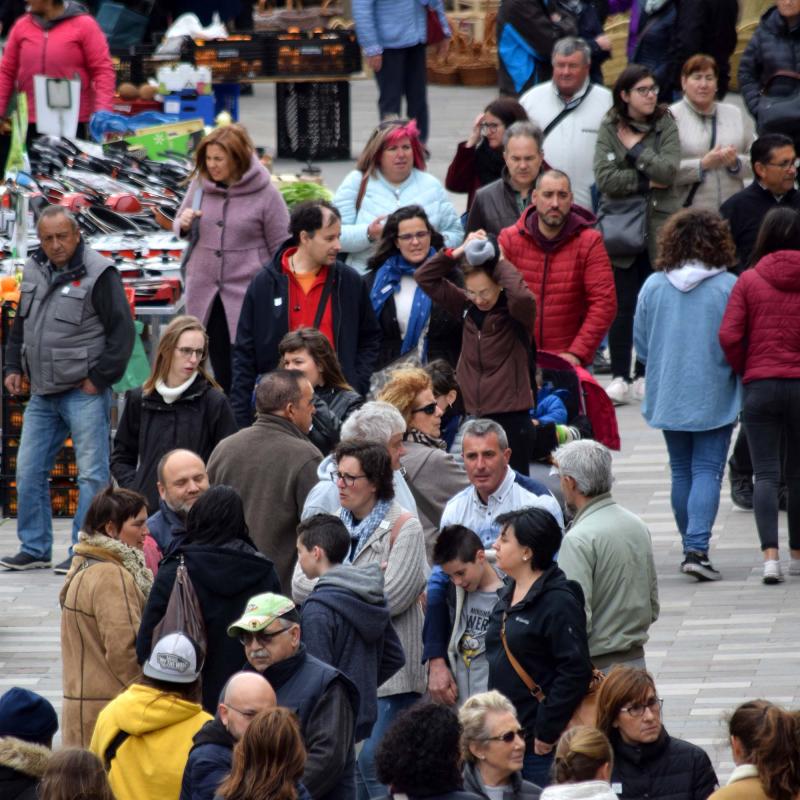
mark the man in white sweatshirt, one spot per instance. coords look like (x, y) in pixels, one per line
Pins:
(569, 110)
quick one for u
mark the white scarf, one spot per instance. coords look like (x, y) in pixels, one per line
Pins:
(171, 393)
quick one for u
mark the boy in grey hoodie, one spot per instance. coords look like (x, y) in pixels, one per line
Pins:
(345, 620)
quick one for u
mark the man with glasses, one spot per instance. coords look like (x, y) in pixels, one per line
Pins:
(72, 337)
(245, 695)
(325, 700)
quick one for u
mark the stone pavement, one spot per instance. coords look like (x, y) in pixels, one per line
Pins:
(714, 645)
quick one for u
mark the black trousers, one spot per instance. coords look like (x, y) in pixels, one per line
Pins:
(520, 432)
(219, 345)
(627, 283)
(404, 73)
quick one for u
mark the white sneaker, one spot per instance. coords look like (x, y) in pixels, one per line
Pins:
(619, 391)
(772, 572)
(637, 389)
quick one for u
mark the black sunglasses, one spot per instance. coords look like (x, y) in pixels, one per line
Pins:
(429, 409)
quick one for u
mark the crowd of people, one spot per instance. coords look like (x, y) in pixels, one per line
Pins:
(355, 535)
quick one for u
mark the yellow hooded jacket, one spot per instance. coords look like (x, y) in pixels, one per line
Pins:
(150, 761)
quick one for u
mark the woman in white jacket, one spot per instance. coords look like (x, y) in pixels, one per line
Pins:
(582, 767)
(715, 139)
(390, 173)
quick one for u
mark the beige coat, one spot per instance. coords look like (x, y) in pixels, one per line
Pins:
(101, 603)
(744, 784)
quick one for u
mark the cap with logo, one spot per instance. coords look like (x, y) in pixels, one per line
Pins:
(174, 659)
(261, 611)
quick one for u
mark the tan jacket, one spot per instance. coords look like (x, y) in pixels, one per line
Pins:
(101, 601)
(744, 784)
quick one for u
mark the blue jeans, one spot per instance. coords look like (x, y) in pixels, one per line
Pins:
(48, 421)
(367, 783)
(536, 769)
(697, 460)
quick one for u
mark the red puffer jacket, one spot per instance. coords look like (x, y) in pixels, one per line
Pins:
(70, 45)
(572, 282)
(760, 331)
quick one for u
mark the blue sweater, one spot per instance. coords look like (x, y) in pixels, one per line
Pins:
(690, 386)
(392, 24)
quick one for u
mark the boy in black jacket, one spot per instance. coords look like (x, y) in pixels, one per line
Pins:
(345, 620)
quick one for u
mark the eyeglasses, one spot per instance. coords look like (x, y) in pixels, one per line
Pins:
(507, 737)
(249, 714)
(418, 236)
(490, 126)
(347, 480)
(637, 710)
(429, 409)
(188, 352)
(260, 637)
(483, 294)
(643, 91)
(786, 165)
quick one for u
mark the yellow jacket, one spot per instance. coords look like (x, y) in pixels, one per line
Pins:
(149, 763)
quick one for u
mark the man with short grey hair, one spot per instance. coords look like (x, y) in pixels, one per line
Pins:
(72, 337)
(608, 551)
(499, 204)
(569, 110)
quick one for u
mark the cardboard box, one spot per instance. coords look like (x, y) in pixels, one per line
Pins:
(179, 137)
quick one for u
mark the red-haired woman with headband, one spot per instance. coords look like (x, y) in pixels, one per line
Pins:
(390, 173)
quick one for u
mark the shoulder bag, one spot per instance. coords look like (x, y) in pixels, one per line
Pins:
(695, 186)
(780, 113)
(586, 711)
(194, 230)
(566, 111)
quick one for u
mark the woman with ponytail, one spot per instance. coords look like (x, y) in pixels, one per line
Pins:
(582, 768)
(765, 741)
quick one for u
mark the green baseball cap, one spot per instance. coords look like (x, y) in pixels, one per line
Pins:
(261, 611)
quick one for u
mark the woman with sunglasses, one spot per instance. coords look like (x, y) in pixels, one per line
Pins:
(493, 749)
(179, 406)
(226, 570)
(648, 762)
(411, 323)
(433, 474)
(637, 156)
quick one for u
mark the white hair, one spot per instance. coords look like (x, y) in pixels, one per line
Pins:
(373, 422)
(588, 463)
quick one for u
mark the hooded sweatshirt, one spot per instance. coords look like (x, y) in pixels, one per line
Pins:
(22, 765)
(151, 760)
(585, 790)
(69, 45)
(347, 624)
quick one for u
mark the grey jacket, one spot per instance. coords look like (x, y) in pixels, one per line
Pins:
(521, 789)
(494, 207)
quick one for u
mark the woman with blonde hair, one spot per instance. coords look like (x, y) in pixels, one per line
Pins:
(493, 749)
(74, 774)
(179, 406)
(582, 768)
(268, 761)
(235, 220)
(765, 740)
(390, 173)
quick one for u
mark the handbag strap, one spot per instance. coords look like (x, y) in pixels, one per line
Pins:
(779, 73)
(533, 687)
(565, 112)
(695, 186)
(323, 300)
(398, 523)
(362, 190)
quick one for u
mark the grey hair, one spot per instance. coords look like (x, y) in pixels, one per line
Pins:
(526, 129)
(483, 427)
(373, 422)
(588, 463)
(58, 211)
(472, 717)
(572, 44)
(554, 173)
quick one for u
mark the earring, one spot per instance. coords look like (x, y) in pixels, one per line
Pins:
(524, 559)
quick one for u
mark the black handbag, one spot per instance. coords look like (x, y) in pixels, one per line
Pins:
(623, 223)
(780, 113)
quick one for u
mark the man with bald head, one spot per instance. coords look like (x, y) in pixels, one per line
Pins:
(245, 695)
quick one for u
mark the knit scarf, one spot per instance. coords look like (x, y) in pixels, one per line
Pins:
(361, 531)
(130, 558)
(170, 394)
(422, 438)
(387, 282)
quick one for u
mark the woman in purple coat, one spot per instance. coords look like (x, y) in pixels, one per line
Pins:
(236, 225)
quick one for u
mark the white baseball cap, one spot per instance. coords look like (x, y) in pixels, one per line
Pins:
(173, 659)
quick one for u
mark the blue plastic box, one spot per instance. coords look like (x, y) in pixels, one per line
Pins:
(191, 106)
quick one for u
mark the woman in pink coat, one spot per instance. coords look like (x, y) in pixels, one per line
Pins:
(59, 40)
(240, 223)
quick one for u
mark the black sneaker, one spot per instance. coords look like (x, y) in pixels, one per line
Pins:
(63, 567)
(742, 491)
(600, 364)
(24, 560)
(698, 566)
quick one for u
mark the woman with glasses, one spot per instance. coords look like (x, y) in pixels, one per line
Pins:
(411, 323)
(433, 474)
(226, 570)
(582, 769)
(493, 749)
(479, 160)
(637, 157)
(536, 642)
(498, 310)
(179, 406)
(390, 173)
(648, 762)
(384, 533)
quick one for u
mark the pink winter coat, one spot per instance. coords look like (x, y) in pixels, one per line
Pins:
(71, 45)
(241, 228)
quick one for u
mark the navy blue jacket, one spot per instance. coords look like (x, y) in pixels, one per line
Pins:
(165, 525)
(265, 320)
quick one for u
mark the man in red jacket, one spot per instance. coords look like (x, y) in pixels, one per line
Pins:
(563, 261)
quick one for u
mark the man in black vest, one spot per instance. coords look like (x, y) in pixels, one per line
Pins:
(325, 701)
(72, 337)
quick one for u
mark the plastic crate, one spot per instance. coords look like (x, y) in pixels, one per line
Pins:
(131, 107)
(226, 98)
(317, 52)
(190, 105)
(13, 410)
(232, 59)
(128, 65)
(314, 121)
(122, 26)
(63, 497)
(64, 466)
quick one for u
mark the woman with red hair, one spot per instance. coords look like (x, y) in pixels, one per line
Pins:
(390, 173)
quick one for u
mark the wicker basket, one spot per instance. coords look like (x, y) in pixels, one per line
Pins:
(481, 74)
(616, 28)
(441, 73)
(744, 33)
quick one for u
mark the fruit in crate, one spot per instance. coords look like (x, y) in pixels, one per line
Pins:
(127, 91)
